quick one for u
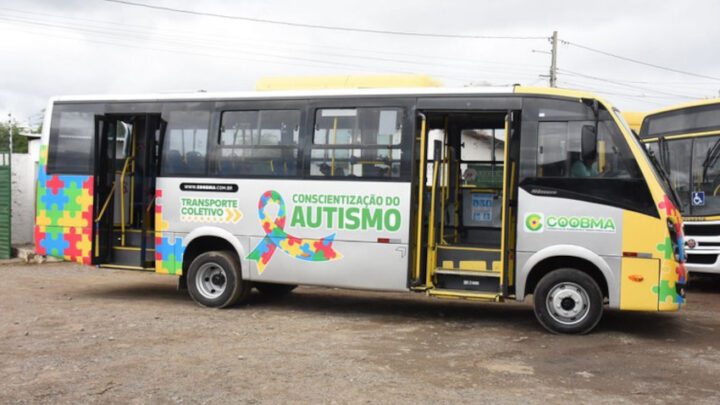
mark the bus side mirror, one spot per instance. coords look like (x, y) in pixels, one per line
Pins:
(588, 146)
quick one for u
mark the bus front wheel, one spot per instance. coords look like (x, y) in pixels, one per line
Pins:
(568, 301)
(214, 280)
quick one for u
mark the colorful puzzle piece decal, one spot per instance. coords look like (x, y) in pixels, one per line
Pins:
(665, 291)
(275, 237)
(169, 249)
(666, 248)
(64, 214)
(668, 206)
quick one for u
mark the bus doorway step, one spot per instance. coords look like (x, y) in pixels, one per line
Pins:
(465, 295)
(468, 280)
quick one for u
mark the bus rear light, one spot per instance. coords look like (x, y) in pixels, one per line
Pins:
(637, 254)
(383, 240)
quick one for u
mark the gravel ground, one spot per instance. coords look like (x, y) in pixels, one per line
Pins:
(75, 334)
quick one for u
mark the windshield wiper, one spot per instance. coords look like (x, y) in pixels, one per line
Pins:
(711, 158)
(661, 171)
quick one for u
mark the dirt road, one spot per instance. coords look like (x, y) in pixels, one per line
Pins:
(74, 334)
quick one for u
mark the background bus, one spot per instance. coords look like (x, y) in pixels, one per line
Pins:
(685, 140)
(488, 194)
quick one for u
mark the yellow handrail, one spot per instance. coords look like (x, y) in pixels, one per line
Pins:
(122, 201)
(431, 262)
(107, 201)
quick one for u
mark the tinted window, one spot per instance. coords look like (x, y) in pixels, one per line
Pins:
(560, 155)
(604, 172)
(259, 143)
(72, 137)
(357, 142)
(186, 143)
(697, 119)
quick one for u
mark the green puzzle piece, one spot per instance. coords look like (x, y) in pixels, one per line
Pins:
(666, 247)
(665, 291)
(72, 192)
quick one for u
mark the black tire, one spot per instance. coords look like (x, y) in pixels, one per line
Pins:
(568, 301)
(275, 290)
(214, 280)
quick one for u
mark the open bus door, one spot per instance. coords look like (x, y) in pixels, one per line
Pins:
(127, 159)
(467, 199)
(104, 189)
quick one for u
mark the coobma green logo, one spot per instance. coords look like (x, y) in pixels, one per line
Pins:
(535, 222)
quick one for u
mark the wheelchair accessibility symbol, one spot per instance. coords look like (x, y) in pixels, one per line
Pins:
(698, 198)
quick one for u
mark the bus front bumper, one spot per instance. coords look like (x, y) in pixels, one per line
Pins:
(702, 247)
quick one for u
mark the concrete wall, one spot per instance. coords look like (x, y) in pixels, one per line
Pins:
(24, 175)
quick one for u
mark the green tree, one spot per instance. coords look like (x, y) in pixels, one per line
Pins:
(20, 143)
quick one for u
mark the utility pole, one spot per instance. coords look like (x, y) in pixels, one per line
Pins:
(553, 62)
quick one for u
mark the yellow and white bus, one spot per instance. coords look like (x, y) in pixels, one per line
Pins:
(480, 194)
(685, 141)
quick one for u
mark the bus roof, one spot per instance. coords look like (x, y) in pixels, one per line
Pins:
(345, 82)
(296, 94)
(686, 105)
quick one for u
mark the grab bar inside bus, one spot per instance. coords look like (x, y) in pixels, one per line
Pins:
(107, 201)
(122, 200)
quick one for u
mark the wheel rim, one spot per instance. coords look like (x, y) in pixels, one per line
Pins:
(568, 303)
(211, 280)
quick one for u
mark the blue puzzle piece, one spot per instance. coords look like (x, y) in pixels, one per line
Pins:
(165, 248)
(305, 247)
(43, 177)
(179, 249)
(59, 200)
(73, 180)
(54, 244)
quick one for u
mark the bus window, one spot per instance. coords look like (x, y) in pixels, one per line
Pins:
(259, 143)
(560, 155)
(362, 142)
(186, 141)
(71, 142)
(609, 176)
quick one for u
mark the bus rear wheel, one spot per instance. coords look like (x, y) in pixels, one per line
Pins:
(275, 290)
(214, 280)
(568, 301)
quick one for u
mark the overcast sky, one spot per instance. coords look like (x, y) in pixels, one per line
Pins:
(60, 47)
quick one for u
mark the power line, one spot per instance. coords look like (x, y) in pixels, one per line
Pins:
(282, 60)
(323, 27)
(619, 83)
(192, 35)
(612, 55)
(115, 32)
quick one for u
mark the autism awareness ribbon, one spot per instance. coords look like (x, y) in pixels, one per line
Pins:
(312, 250)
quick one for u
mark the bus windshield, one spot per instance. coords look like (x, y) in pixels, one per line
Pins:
(686, 142)
(693, 166)
(655, 166)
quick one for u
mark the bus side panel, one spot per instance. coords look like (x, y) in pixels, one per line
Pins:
(349, 234)
(650, 236)
(583, 229)
(63, 225)
(362, 265)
